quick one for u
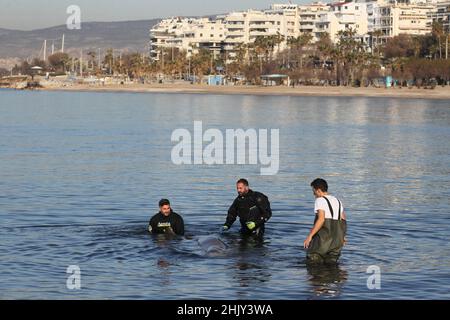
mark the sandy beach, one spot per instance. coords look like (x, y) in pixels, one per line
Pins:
(438, 92)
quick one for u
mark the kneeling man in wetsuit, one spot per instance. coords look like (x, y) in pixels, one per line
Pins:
(252, 208)
(166, 221)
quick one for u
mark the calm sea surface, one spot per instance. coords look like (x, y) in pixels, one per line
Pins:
(81, 174)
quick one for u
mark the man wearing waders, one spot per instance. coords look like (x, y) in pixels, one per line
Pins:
(327, 237)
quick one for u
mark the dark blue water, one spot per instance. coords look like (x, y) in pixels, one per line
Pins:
(81, 174)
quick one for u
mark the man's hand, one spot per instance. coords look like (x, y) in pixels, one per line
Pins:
(307, 242)
(169, 230)
(251, 225)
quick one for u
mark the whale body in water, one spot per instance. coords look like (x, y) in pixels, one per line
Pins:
(212, 245)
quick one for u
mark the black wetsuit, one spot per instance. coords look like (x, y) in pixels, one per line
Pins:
(161, 224)
(252, 206)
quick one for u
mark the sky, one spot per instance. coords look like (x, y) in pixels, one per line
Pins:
(36, 14)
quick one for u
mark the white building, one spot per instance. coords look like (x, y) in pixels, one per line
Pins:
(441, 14)
(393, 18)
(244, 27)
(388, 18)
(187, 34)
(343, 16)
(309, 16)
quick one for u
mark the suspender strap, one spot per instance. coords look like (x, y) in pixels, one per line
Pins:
(339, 208)
(329, 206)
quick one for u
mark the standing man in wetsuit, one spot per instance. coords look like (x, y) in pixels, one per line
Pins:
(252, 208)
(166, 221)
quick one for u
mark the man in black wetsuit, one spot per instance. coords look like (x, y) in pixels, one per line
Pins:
(252, 208)
(166, 221)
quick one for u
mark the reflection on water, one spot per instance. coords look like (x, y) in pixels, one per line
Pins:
(81, 174)
(326, 281)
(164, 269)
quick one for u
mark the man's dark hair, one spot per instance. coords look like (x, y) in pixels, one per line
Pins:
(320, 184)
(164, 202)
(243, 181)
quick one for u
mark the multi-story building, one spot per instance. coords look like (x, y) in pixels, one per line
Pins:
(368, 18)
(389, 19)
(226, 32)
(245, 27)
(309, 16)
(441, 14)
(343, 16)
(290, 18)
(187, 34)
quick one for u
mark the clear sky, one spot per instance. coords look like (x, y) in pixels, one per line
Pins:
(34, 14)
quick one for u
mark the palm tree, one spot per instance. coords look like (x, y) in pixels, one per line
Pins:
(260, 46)
(109, 60)
(299, 44)
(325, 47)
(376, 35)
(349, 53)
(240, 60)
(279, 39)
(91, 55)
(438, 33)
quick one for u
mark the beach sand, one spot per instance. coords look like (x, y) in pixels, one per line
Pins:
(438, 92)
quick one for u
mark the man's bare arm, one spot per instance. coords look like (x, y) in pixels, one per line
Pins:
(319, 223)
(317, 226)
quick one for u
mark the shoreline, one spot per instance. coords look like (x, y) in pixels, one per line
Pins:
(441, 93)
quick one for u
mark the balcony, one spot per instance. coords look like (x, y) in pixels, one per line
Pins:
(235, 31)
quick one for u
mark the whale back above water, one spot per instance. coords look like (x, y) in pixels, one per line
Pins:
(212, 245)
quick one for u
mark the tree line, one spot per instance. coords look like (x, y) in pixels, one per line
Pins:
(408, 59)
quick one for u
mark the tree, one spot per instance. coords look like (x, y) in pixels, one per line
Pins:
(439, 35)
(297, 46)
(325, 47)
(38, 62)
(92, 55)
(376, 44)
(59, 61)
(109, 60)
(3, 72)
(400, 46)
(23, 69)
(201, 62)
(349, 56)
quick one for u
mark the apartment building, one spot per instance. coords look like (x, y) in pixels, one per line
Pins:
(187, 34)
(441, 14)
(383, 18)
(309, 16)
(390, 19)
(342, 16)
